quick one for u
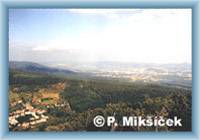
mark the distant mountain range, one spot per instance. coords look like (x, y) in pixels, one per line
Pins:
(37, 68)
(174, 74)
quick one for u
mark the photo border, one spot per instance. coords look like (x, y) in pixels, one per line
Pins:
(4, 84)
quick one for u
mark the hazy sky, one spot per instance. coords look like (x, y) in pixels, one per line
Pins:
(90, 35)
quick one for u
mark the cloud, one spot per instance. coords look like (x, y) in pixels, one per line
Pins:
(155, 36)
(109, 13)
(104, 11)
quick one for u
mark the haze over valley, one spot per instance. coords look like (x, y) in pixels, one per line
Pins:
(172, 74)
(67, 66)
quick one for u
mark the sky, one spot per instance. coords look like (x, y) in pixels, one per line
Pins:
(95, 35)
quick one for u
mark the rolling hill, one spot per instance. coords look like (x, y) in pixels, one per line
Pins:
(37, 68)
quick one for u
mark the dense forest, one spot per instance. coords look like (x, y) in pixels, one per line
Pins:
(84, 99)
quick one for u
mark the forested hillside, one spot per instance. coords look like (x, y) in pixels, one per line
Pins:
(71, 104)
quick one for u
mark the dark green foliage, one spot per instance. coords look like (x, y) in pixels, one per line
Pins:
(24, 118)
(127, 98)
(30, 81)
(88, 98)
(83, 95)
